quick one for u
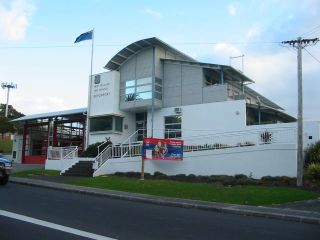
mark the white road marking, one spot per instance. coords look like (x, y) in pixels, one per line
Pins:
(54, 226)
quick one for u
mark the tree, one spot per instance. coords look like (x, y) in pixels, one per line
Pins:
(6, 126)
(12, 113)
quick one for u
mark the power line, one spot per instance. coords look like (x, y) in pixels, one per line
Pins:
(125, 44)
(311, 31)
(312, 55)
(287, 47)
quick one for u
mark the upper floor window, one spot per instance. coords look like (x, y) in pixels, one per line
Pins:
(141, 89)
(211, 77)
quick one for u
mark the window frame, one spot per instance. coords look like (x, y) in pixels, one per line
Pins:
(134, 89)
(114, 126)
(173, 133)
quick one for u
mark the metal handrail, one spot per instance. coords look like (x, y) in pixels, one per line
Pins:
(99, 158)
(73, 153)
(60, 153)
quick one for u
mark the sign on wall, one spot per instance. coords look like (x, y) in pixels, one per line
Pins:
(162, 149)
(104, 94)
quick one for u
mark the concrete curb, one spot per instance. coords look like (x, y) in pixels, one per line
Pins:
(268, 212)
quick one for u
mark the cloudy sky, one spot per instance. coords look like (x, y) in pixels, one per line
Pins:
(38, 54)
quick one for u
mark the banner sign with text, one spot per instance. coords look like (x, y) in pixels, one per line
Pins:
(162, 149)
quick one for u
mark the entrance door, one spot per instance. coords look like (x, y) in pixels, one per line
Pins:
(141, 125)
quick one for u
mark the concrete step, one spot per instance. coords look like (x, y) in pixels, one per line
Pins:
(81, 168)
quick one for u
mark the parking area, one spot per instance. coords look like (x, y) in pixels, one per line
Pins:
(18, 167)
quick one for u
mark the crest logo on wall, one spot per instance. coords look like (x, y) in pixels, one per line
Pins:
(97, 79)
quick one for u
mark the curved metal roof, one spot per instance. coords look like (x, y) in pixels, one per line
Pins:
(133, 48)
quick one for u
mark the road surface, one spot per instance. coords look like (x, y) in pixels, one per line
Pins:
(37, 213)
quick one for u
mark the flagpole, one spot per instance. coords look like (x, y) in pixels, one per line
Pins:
(92, 42)
(89, 93)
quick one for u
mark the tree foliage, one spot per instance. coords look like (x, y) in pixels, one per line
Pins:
(312, 154)
(5, 124)
(12, 113)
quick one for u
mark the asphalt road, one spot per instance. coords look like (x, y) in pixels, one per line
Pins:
(121, 219)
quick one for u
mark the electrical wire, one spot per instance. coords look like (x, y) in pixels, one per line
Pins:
(311, 31)
(312, 55)
(117, 45)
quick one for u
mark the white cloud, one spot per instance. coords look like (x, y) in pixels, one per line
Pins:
(253, 32)
(39, 104)
(226, 50)
(232, 9)
(153, 13)
(273, 72)
(15, 19)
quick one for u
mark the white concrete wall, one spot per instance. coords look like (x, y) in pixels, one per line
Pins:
(258, 161)
(56, 164)
(311, 133)
(203, 118)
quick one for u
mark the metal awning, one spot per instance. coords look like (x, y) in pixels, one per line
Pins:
(132, 49)
(270, 110)
(51, 114)
(263, 99)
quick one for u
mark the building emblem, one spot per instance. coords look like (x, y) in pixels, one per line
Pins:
(97, 79)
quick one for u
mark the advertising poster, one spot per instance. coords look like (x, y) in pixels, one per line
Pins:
(162, 149)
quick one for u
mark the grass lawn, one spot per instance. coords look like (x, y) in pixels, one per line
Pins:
(38, 172)
(249, 195)
(5, 146)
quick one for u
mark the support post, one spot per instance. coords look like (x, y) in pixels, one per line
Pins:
(153, 89)
(299, 44)
(142, 169)
(8, 92)
(221, 76)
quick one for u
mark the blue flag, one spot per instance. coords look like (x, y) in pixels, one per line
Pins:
(84, 36)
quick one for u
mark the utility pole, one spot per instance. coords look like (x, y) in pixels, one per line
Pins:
(8, 86)
(299, 44)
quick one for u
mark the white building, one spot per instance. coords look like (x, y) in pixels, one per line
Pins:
(154, 90)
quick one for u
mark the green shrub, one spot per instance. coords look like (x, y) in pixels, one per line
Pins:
(179, 177)
(159, 175)
(277, 181)
(92, 150)
(312, 154)
(314, 170)
(240, 176)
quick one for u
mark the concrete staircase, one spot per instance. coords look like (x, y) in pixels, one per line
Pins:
(80, 169)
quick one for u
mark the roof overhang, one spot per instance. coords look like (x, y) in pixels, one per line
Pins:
(263, 99)
(230, 74)
(123, 55)
(51, 114)
(271, 110)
